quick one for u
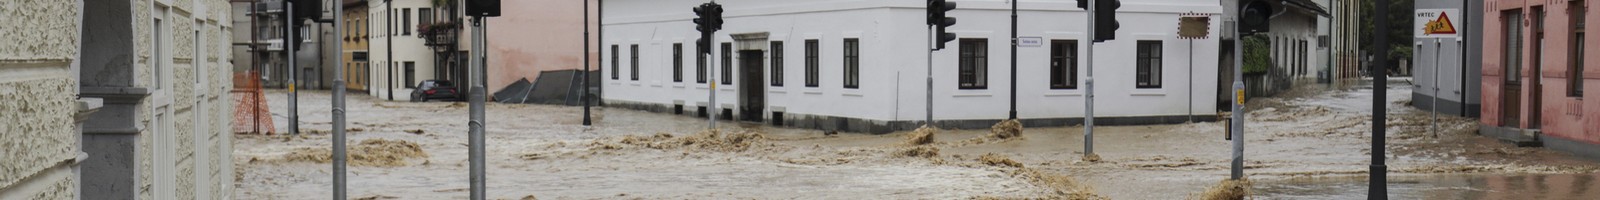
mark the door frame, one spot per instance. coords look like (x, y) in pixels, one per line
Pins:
(750, 44)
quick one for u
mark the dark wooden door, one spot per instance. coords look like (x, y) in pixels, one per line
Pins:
(1511, 84)
(752, 98)
(1536, 74)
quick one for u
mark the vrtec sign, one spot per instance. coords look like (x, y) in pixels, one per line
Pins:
(1437, 23)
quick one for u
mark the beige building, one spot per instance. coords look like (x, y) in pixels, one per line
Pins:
(146, 79)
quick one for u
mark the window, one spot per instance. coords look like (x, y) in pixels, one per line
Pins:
(411, 75)
(852, 63)
(677, 62)
(405, 19)
(1063, 64)
(161, 71)
(974, 70)
(700, 66)
(811, 63)
(777, 63)
(424, 16)
(633, 59)
(615, 64)
(1578, 11)
(1149, 69)
(727, 63)
(1513, 45)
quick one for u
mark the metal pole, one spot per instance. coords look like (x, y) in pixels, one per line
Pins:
(388, 34)
(585, 96)
(289, 41)
(929, 122)
(1014, 59)
(1088, 85)
(476, 123)
(1237, 166)
(255, 65)
(1191, 81)
(1437, 52)
(339, 154)
(1377, 188)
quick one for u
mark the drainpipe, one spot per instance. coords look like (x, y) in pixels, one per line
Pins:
(389, 36)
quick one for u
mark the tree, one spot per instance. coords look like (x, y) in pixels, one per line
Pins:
(1399, 17)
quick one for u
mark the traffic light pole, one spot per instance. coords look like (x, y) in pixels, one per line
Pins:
(1088, 85)
(711, 73)
(1236, 169)
(475, 112)
(931, 39)
(289, 41)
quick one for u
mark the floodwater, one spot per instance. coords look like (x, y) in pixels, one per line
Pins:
(1309, 143)
(1455, 186)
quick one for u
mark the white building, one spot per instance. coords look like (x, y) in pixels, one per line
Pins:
(860, 65)
(412, 61)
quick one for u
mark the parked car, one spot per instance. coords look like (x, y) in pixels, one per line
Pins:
(434, 90)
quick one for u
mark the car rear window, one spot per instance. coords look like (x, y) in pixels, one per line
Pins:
(444, 84)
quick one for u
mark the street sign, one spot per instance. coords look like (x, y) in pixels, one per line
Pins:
(1194, 27)
(1437, 23)
(1030, 41)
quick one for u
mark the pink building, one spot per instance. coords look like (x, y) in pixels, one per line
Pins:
(1536, 71)
(534, 36)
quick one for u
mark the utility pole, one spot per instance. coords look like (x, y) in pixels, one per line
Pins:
(1378, 172)
(1014, 59)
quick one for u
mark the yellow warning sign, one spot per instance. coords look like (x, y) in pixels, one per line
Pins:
(1441, 25)
(1435, 23)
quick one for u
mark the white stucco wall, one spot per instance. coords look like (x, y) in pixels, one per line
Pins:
(893, 63)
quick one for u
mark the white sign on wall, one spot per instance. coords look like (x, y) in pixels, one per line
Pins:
(1437, 23)
(1030, 41)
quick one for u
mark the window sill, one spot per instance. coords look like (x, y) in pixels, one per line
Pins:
(851, 92)
(1148, 92)
(1063, 93)
(634, 83)
(677, 85)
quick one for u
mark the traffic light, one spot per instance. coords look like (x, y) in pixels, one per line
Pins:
(483, 8)
(307, 9)
(1105, 20)
(1254, 17)
(937, 19)
(708, 19)
(303, 10)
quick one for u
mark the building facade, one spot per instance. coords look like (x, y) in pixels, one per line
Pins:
(153, 73)
(861, 65)
(1448, 63)
(394, 30)
(355, 37)
(1345, 39)
(1536, 70)
(538, 36)
(39, 61)
(313, 61)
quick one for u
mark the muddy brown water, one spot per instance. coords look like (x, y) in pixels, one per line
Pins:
(1448, 186)
(1311, 144)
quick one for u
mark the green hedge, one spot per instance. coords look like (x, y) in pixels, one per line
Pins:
(1257, 55)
